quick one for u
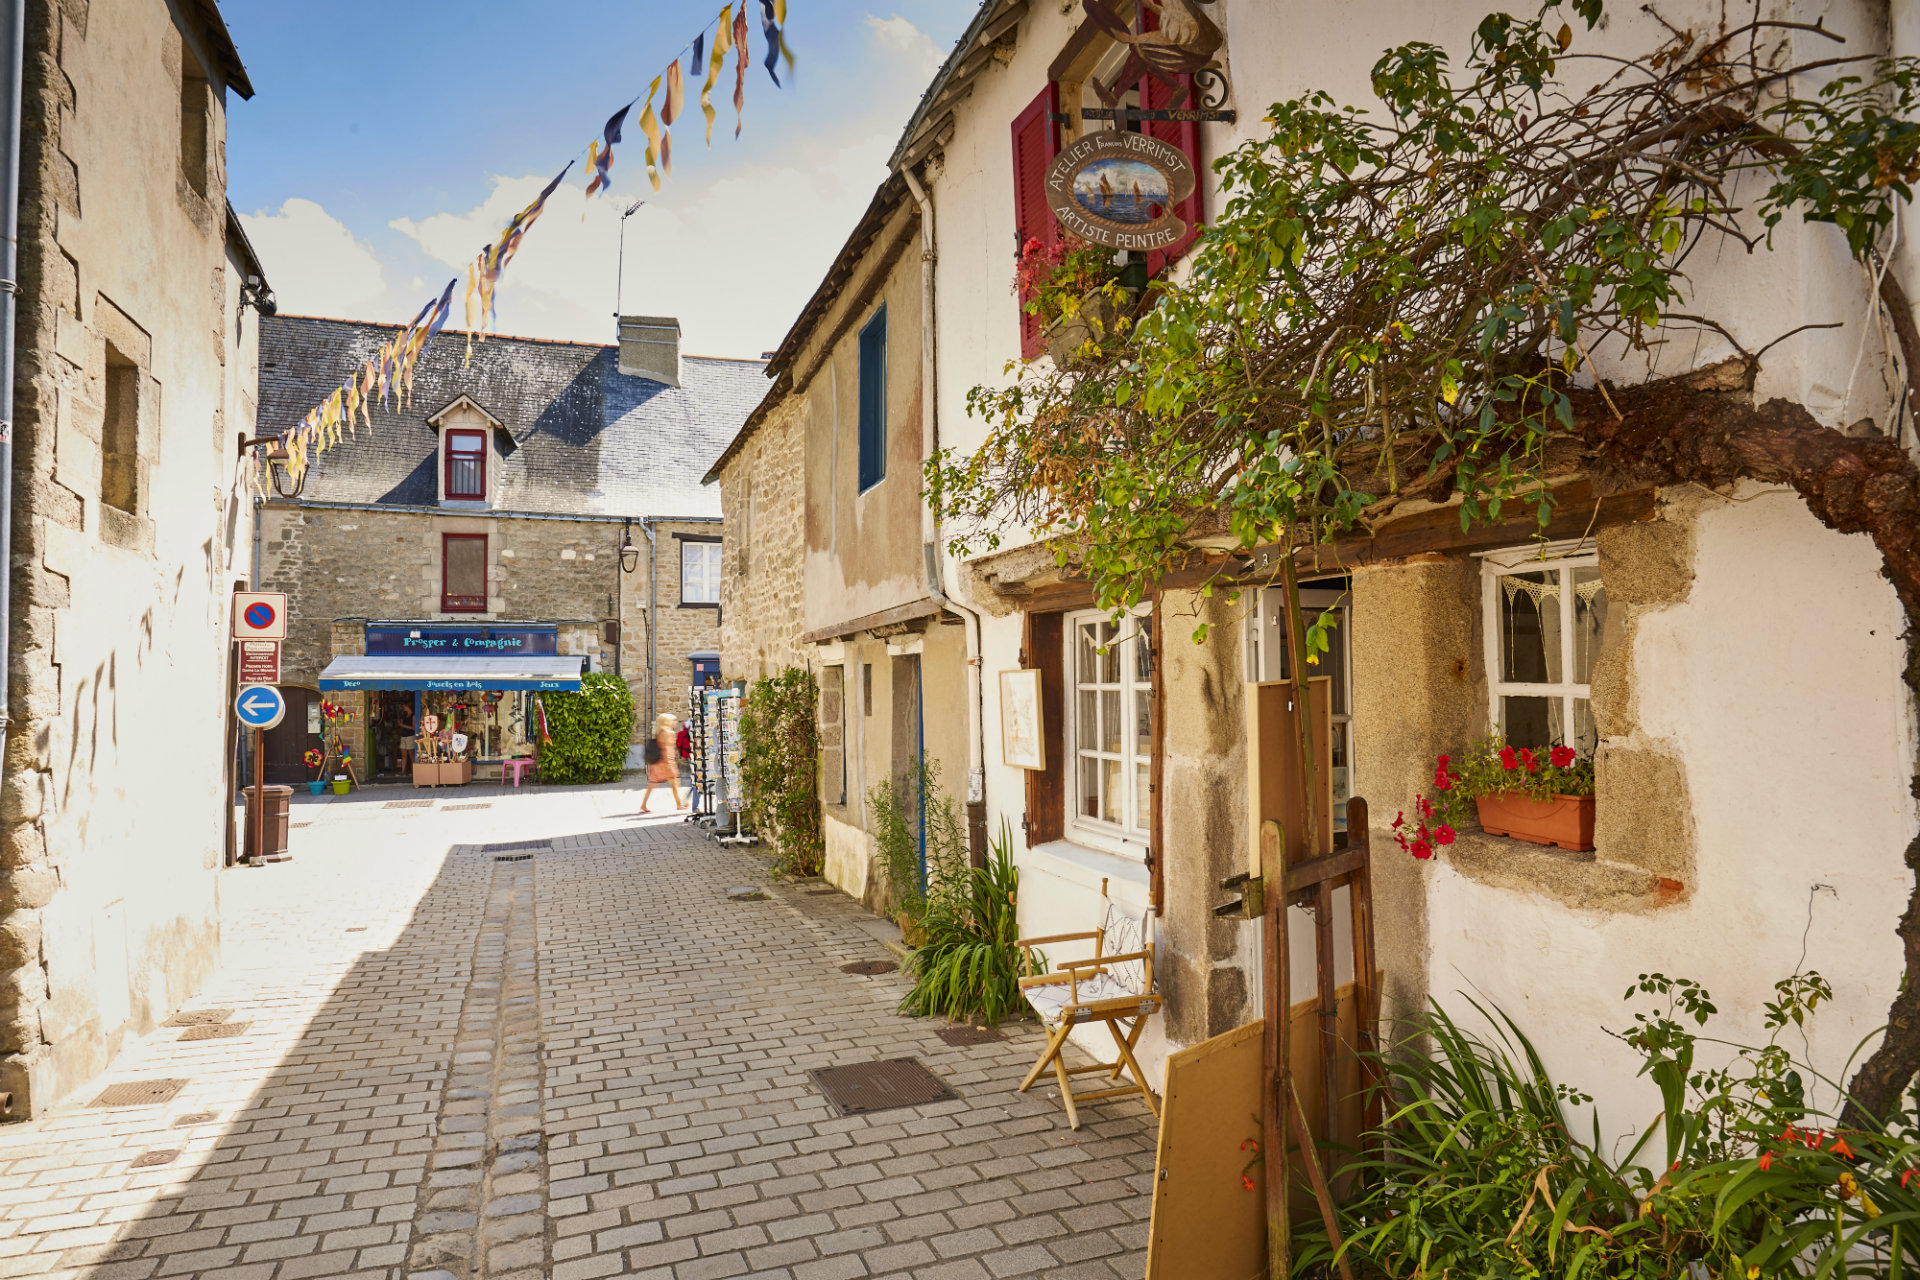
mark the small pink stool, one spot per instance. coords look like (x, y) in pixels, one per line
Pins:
(515, 768)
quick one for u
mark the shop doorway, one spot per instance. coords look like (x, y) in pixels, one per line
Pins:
(392, 719)
(288, 741)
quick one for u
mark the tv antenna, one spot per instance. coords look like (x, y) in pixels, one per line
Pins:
(621, 265)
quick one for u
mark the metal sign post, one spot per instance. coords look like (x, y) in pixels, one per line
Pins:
(260, 707)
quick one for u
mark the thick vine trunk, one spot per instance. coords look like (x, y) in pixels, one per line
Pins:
(1704, 428)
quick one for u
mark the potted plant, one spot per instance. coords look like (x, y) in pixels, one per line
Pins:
(1543, 795)
(1072, 287)
(314, 759)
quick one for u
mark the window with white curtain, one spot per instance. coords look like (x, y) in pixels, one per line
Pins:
(700, 572)
(1109, 731)
(1544, 618)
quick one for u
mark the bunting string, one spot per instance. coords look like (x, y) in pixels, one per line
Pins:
(387, 375)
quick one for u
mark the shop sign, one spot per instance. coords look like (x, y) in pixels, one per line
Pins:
(1119, 189)
(389, 640)
(259, 662)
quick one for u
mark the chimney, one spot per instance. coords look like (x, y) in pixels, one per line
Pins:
(650, 348)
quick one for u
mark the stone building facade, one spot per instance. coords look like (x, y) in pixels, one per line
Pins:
(135, 373)
(541, 460)
(763, 526)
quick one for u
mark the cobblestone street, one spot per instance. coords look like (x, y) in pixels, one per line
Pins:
(574, 1059)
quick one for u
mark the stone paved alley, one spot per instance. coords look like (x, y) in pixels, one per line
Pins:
(584, 1062)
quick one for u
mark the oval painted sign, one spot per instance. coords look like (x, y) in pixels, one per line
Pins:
(1120, 189)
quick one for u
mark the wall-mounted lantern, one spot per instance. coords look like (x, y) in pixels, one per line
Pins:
(279, 469)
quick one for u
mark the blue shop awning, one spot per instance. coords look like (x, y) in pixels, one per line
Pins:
(548, 672)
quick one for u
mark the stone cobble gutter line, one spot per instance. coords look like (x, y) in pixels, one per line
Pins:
(485, 1215)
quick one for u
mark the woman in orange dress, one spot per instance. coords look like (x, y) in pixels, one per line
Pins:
(663, 760)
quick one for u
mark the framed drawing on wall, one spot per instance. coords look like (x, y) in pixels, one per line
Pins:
(1021, 743)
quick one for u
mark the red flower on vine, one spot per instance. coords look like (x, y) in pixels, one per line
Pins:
(1841, 1149)
(1908, 1176)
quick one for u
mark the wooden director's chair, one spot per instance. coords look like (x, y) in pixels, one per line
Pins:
(1114, 986)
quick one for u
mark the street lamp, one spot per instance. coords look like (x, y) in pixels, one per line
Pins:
(629, 554)
(279, 469)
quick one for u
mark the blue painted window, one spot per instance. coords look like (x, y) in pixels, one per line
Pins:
(873, 401)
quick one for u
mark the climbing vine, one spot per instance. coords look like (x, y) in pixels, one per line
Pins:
(1469, 289)
(780, 767)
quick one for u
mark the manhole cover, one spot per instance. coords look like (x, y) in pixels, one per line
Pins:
(216, 1031)
(195, 1117)
(969, 1035)
(867, 968)
(199, 1017)
(148, 1159)
(745, 893)
(820, 893)
(408, 804)
(516, 846)
(139, 1093)
(880, 1086)
(456, 808)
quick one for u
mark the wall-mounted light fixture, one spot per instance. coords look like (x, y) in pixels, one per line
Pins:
(629, 554)
(255, 293)
(279, 468)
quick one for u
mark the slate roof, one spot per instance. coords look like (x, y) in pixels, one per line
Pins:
(583, 437)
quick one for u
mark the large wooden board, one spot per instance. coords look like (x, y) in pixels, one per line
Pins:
(1205, 1221)
(1275, 775)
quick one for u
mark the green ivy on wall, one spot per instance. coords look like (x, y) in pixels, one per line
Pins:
(780, 767)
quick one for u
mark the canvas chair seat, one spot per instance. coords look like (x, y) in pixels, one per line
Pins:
(1114, 986)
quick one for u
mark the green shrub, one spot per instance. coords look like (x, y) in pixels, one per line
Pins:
(966, 964)
(1478, 1172)
(899, 808)
(591, 730)
(780, 767)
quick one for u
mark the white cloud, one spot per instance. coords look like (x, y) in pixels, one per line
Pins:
(734, 258)
(915, 49)
(313, 262)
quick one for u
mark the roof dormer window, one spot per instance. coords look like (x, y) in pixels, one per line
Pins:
(466, 478)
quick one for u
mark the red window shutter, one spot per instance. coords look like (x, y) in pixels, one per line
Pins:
(1184, 134)
(1036, 141)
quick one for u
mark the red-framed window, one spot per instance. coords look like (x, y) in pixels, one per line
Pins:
(466, 465)
(1184, 134)
(1036, 141)
(463, 573)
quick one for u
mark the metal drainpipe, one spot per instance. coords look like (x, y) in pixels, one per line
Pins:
(930, 522)
(13, 34)
(653, 616)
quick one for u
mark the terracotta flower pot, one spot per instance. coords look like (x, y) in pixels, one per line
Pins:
(1566, 821)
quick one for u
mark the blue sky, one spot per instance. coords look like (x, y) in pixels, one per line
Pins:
(389, 141)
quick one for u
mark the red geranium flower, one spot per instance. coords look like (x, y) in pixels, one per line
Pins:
(1444, 762)
(1507, 759)
(1563, 756)
(1443, 834)
(1421, 849)
(1399, 818)
(1526, 758)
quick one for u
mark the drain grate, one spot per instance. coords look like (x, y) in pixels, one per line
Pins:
(456, 808)
(820, 893)
(148, 1159)
(515, 846)
(195, 1117)
(199, 1017)
(217, 1031)
(866, 1087)
(969, 1035)
(139, 1093)
(868, 968)
(408, 804)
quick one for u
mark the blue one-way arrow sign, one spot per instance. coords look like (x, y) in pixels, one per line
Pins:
(260, 706)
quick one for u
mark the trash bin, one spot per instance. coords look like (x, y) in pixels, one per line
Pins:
(279, 801)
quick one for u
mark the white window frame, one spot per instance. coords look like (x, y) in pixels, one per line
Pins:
(1128, 838)
(1562, 558)
(1267, 663)
(709, 558)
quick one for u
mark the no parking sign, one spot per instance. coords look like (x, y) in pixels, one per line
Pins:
(259, 615)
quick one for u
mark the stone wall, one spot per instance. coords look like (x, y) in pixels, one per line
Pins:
(128, 513)
(763, 496)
